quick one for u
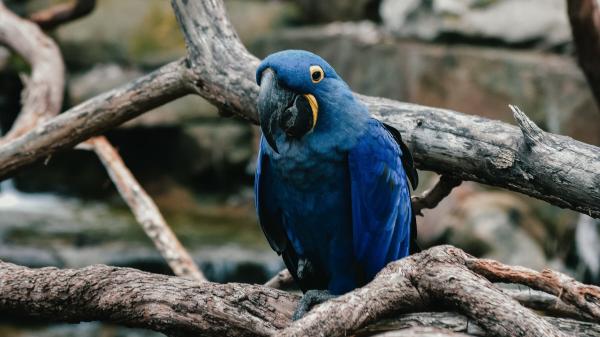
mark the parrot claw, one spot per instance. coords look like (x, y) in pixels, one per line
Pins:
(309, 300)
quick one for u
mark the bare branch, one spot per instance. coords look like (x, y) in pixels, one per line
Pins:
(43, 94)
(146, 212)
(584, 297)
(441, 277)
(95, 116)
(432, 197)
(58, 14)
(173, 305)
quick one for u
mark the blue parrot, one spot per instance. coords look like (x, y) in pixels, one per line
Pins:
(331, 182)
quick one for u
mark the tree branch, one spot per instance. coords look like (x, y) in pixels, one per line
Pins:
(172, 305)
(440, 277)
(145, 211)
(95, 116)
(62, 13)
(432, 197)
(585, 297)
(43, 94)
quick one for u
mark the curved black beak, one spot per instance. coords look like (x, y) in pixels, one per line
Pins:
(282, 110)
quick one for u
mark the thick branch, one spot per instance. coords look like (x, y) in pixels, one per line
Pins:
(436, 278)
(43, 94)
(56, 15)
(584, 16)
(145, 211)
(95, 116)
(173, 305)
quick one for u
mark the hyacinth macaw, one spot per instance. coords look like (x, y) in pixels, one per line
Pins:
(331, 182)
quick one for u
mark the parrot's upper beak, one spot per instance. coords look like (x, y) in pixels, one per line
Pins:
(280, 108)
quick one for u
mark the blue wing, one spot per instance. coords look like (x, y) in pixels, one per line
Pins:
(381, 208)
(269, 215)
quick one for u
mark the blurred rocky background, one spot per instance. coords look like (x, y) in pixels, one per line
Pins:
(473, 56)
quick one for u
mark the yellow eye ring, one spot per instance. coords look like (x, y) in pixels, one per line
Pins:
(316, 74)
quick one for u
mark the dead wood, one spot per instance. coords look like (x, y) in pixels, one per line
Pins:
(145, 211)
(440, 277)
(43, 94)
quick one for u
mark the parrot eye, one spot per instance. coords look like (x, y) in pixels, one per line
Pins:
(316, 74)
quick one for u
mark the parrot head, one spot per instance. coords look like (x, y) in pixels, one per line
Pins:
(295, 86)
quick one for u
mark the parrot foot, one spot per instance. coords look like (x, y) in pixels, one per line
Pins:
(309, 300)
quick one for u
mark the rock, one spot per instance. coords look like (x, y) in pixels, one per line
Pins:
(482, 81)
(38, 230)
(587, 242)
(512, 22)
(145, 33)
(494, 225)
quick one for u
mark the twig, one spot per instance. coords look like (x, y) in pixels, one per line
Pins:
(585, 297)
(43, 94)
(432, 197)
(145, 211)
(58, 14)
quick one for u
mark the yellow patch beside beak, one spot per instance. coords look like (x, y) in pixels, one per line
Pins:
(314, 106)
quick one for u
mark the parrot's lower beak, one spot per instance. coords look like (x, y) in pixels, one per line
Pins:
(282, 110)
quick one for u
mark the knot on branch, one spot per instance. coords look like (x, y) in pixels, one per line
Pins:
(532, 133)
